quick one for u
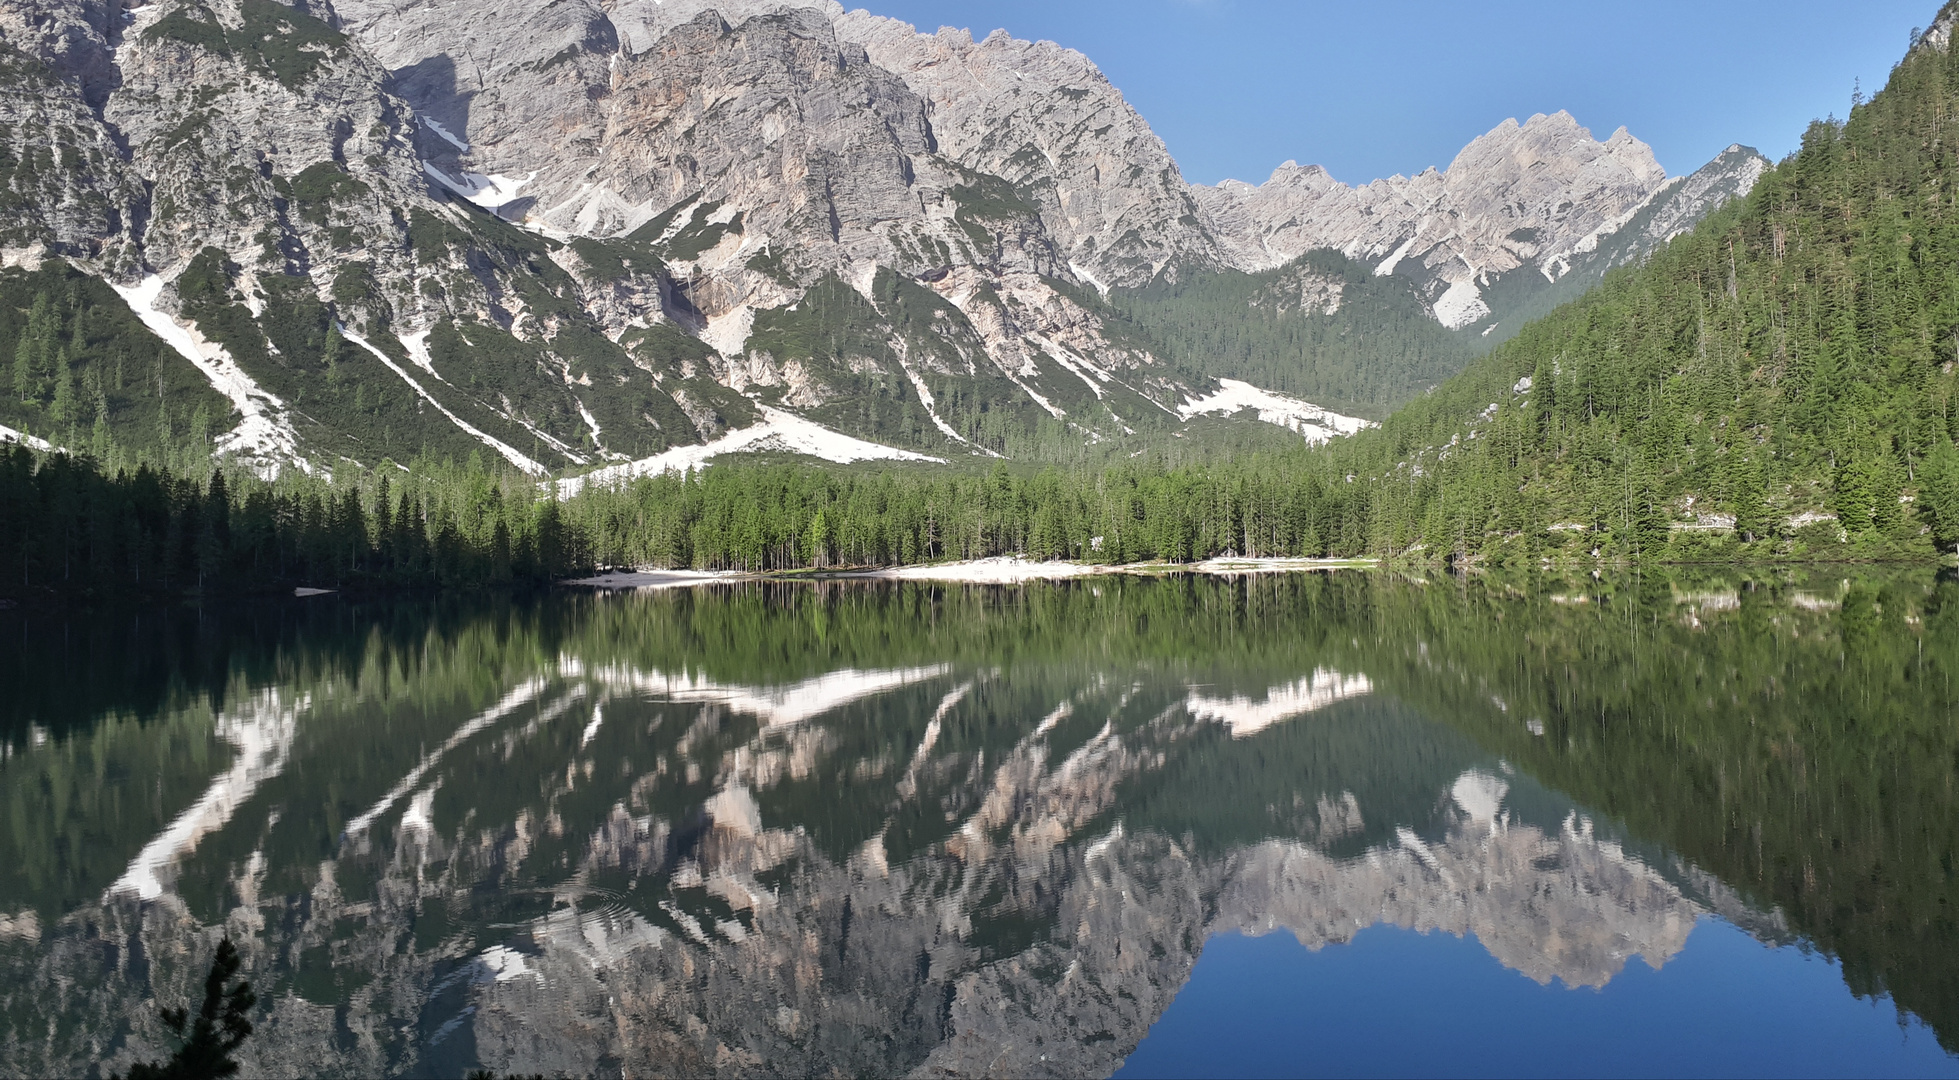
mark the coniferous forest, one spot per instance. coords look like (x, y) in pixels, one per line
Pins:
(1777, 384)
(1787, 368)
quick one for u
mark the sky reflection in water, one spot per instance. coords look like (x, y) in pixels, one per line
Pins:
(1398, 1003)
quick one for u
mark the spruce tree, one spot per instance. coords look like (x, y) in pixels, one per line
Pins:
(221, 1026)
(1938, 492)
(62, 409)
(1750, 505)
(26, 387)
(214, 532)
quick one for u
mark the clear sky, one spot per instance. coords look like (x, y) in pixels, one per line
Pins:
(1369, 88)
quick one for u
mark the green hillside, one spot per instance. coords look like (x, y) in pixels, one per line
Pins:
(1376, 349)
(84, 373)
(1786, 369)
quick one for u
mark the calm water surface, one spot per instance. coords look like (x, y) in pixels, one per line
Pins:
(1345, 824)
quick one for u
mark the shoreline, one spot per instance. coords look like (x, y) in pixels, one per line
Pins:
(1002, 570)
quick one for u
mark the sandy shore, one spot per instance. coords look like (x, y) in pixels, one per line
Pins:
(1233, 567)
(999, 571)
(1011, 571)
(661, 579)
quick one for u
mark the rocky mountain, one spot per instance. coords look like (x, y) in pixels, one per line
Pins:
(1533, 201)
(585, 233)
(1679, 205)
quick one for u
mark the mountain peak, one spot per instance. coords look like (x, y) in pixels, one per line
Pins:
(1296, 175)
(1559, 137)
(1523, 194)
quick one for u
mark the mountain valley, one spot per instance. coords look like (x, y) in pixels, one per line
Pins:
(576, 236)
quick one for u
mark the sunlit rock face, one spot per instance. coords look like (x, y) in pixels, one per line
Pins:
(1543, 196)
(1547, 178)
(1045, 119)
(614, 113)
(808, 143)
(220, 136)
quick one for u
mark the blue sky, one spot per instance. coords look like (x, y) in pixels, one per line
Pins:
(1373, 88)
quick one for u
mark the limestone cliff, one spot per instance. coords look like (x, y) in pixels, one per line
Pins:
(597, 231)
(1537, 197)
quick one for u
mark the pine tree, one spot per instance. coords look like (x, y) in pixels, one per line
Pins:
(500, 553)
(62, 410)
(816, 550)
(331, 354)
(1938, 491)
(1750, 505)
(220, 1027)
(1857, 494)
(214, 532)
(95, 394)
(27, 388)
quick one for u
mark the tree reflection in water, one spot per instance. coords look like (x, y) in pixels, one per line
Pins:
(883, 829)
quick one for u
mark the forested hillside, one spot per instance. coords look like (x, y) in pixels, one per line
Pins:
(1323, 327)
(84, 373)
(1785, 370)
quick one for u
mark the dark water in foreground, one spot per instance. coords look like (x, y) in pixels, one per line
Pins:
(1338, 824)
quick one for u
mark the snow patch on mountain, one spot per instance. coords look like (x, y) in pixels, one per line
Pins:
(264, 431)
(1394, 260)
(443, 133)
(491, 193)
(1315, 424)
(1075, 364)
(779, 432)
(8, 435)
(1083, 273)
(931, 403)
(510, 453)
(418, 351)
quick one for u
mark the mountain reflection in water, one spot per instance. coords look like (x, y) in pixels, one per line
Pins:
(870, 829)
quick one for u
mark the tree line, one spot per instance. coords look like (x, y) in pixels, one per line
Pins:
(69, 527)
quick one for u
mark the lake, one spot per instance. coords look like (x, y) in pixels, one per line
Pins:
(1347, 823)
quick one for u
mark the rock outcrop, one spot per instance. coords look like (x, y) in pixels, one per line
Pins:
(1046, 120)
(262, 133)
(1534, 197)
(65, 186)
